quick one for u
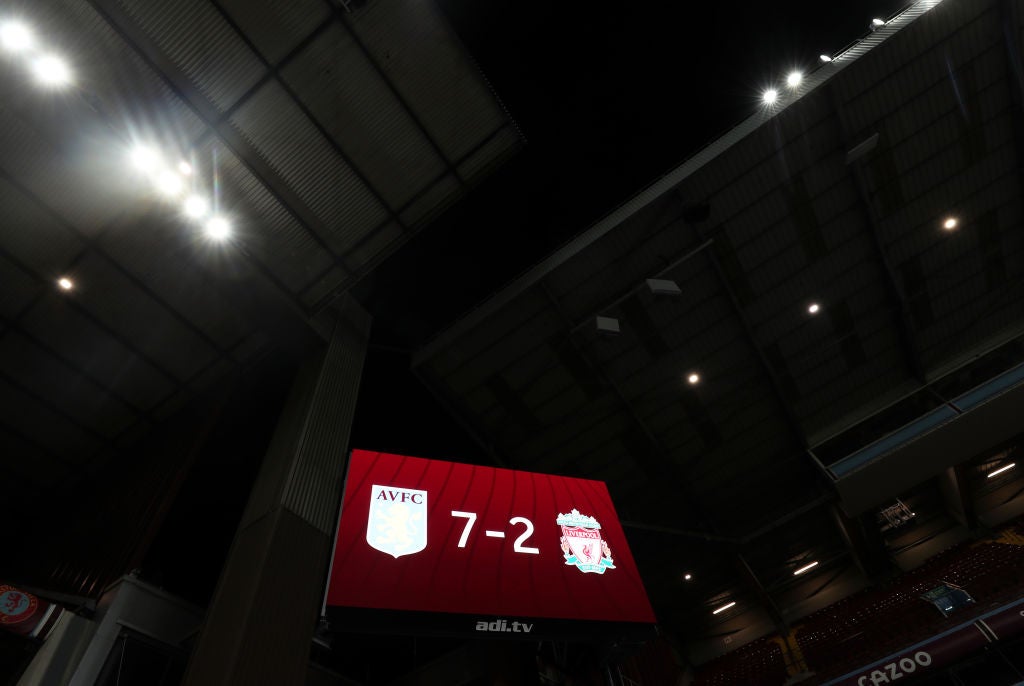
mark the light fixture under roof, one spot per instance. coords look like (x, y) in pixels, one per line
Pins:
(794, 79)
(876, 22)
(169, 183)
(1002, 469)
(693, 378)
(65, 283)
(813, 308)
(723, 608)
(687, 577)
(825, 58)
(51, 70)
(145, 159)
(950, 223)
(196, 206)
(185, 168)
(15, 36)
(805, 568)
(770, 96)
(218, 228)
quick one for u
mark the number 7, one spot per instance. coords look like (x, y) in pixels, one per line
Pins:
(470, 518)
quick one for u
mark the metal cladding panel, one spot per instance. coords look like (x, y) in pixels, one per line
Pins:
(27, 461)
(363, 115)
(118, 87)
(33, 236)
(78, 397)
(195, 37)
(55, 432)
(155, 250)
(454, 103)
(80, 341)
(268, 231)
(18, 288)
(275, 125)
(117, 302)
(275, 28)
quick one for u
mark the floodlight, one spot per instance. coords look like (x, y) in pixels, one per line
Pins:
(950, 223)
(218, 228)
(196, 206)
(15, 36)
(65, 283)
(825, 58)
(877, 22)
(770, 96)
(185, 168)
(52, 71)
(813, 308)
(794, 79)
(145, 159)
(169, 183)
(693, 378)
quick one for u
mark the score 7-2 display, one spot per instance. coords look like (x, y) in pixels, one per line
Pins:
(428, 536)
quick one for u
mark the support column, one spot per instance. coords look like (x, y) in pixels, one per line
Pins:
(262, 616)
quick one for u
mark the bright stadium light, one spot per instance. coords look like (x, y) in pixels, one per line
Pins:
(196, 206)
(770, 96)
(878, 22)
(794, 79)
(52, 71)
(185, 168)
(687, 577)
(950, 223)
(145, 159)
(813, 308)
(218, 228)
(805, 568)
(1002, 469)
(65, 283)
(15, 36)
(169, 183)
(693, 378)
(825, 58)
(723, 608)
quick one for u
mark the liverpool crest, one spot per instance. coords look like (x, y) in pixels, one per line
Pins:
(582, 544)
(397, 522)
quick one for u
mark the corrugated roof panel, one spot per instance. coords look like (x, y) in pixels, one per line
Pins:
(275, 28)
(84, 344)
(364, 116)
(77, 396)
(156, 250)
(126, 309)
(200, 43)
(33, 236)
(17, 289)
(293, 146)
(454, 103)
(266, 228)
(55, 433)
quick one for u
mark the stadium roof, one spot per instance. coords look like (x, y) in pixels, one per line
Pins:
(838, 195)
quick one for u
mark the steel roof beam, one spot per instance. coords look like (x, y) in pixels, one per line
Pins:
(792, 421)
(905, 329)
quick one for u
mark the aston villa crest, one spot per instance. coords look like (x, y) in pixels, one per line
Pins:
(582, 544)
(397, 521)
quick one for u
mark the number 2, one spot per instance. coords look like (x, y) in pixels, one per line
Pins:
(518, 546)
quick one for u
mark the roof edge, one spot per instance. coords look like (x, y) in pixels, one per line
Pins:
(823, 73)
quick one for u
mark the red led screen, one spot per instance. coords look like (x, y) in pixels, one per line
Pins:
(440, 537)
